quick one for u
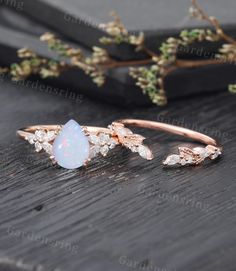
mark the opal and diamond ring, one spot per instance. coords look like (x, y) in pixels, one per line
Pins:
(72, 146)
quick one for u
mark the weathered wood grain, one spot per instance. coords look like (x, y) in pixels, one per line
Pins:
(120, 213)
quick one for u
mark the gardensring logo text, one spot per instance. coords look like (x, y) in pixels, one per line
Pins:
(43, 240)
(17, 5)
(145, 265)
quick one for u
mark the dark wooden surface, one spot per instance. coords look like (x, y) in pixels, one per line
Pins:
(120, 213)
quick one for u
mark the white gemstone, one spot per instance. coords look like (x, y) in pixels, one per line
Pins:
(40, 135)
(50, 136)
(216, 154)
(133, 148)
(71, 147)
(31, 138)
(189, 160)
(172, 160)
(145, 152)
(47, 147)
(104, 139)
(93, 139)
(38, 147)
(104, 150)
(112, 143)
(202, 152)
(94, 151)
(123, 132)
(183, 162)
(213, 151)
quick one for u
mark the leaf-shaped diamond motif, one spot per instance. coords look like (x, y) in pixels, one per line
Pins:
(145, 152)
(101, 143)
(193, 156)
(132, 141)
(42, 140)
(172, 160)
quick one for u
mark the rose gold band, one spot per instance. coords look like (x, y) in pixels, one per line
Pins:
(170, 129)
(23, 132)
(185, 156)
(104, 139)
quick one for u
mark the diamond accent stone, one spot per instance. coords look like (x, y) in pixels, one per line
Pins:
(202, 152)
(47, 147)
(93, 139)
(42, 140)
(94, 151)
(193, 156)
(145, 152)
(38, 146)
(104, 139)
(189, 160)
(215, 155)
(120, 130)
(104, 150)
(213, 151)
(183, 162)
(112, 143)
(132, 141)
(40, 135)
(31, 138)
(172, 160)
(133, 148)
(101, 143)
(50, 136)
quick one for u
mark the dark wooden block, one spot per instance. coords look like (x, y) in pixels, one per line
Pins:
(18, 32)
(79, 20)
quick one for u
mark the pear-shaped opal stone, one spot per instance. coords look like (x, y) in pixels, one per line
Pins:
(71, 147)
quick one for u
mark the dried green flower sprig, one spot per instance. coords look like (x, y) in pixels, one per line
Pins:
(119, 34)
(33, 64)
(150, 81)
(149, 73)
